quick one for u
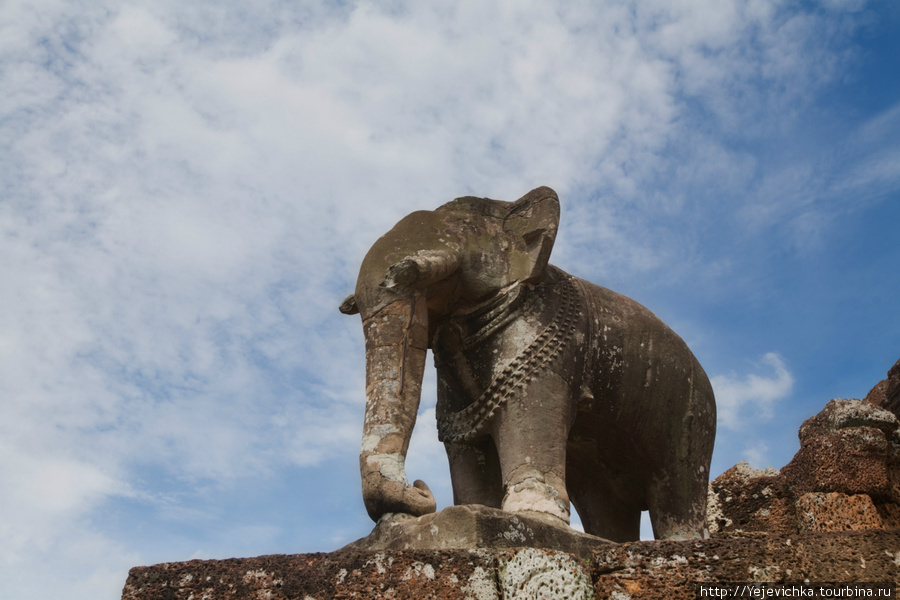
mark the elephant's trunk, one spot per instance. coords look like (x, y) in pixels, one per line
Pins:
(396, 345)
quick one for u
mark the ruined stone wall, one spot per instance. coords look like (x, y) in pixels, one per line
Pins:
(845, 477)
(637, 570)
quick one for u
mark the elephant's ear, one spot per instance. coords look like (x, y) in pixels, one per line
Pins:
(531, 223)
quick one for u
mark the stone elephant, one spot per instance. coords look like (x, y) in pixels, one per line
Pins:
(550, 389)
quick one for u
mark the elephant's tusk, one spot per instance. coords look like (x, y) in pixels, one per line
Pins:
(421, 269)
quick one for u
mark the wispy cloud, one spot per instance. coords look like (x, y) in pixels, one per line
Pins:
(744, 398)
(756, 454)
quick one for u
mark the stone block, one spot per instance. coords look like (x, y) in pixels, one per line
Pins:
(892, 390)
(886, 393)
(893, 467)
(849, 461)
(670, 570)
(527, 573)
(890, 515)
(434, 575)
(843, 413)
(634, 571)
(743, 499)
(476, 526)
(818, 511)
(877, 396)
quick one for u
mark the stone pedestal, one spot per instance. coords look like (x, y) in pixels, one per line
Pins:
(477, 527)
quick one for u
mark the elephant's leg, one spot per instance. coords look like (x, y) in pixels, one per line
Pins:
(678, 508)
(599, 501)
(677, 495)
(606, 517)
(475, 472)
(530, 432)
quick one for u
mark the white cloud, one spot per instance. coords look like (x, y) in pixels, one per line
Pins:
(757, 455)
(750, 398)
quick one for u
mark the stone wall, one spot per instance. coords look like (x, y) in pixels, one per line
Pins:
(845, 477)
(637, 570)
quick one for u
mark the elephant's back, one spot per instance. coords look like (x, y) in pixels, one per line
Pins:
(641, 374)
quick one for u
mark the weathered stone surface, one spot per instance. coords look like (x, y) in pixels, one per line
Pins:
(846, 476)
(668, 570)
(636, 570)
(892, 390)
(818, 511)
(886, 393)
(893, 468)
(395, 574)
(877, 396)
(850, 461)
(528, 573)
(843, 413)
(890, 515)
(475, 526)
(747, 500)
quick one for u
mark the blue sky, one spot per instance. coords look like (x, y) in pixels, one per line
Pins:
(188, 189)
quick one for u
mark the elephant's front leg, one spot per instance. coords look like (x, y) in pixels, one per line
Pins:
(531, 433)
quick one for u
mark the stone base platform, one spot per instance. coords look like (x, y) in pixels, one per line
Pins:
(636, 570)
(474, 526)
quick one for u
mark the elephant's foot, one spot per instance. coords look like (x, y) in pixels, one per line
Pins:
(535, 494)
(386, 489)
(689, 524)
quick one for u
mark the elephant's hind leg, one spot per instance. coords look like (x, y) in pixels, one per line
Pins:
(678, 509)
(475, 472)
(602, 513)
(677, 494)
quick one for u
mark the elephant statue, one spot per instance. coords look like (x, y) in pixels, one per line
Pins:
(550, 389)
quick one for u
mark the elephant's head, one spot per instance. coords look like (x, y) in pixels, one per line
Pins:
(428, 266)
